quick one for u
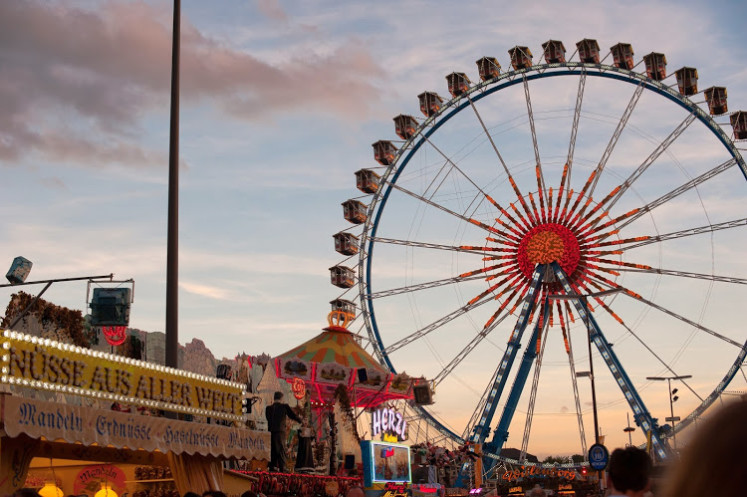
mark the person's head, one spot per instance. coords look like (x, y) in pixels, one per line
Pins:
(278, 396)
(191, 494)
(537, 492)
(355, 491)
(213, 493)
(714, 460)
(629, 470)
(249, 493)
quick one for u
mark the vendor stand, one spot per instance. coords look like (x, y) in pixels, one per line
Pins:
(84, 420)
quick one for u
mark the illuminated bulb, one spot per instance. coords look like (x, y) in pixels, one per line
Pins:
(6, 345)
(50, 490)
(106, 491)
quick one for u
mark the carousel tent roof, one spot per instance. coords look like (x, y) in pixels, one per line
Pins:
(335, 358)
(334, 345)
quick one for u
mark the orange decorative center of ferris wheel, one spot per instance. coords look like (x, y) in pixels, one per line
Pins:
(546, 243)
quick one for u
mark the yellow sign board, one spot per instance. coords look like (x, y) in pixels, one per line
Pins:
(45, 364)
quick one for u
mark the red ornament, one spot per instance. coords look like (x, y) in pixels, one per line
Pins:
(299, 388)
(115, 335)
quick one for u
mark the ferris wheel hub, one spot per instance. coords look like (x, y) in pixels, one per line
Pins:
(546, 243)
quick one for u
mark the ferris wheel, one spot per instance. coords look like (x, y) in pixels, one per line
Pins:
(560, 218)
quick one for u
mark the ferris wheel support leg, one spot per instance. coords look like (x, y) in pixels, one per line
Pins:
(500, 434)
(482, 429)
(640, 412)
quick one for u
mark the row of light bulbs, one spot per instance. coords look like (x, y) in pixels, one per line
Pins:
(46, 342)
(115, 397)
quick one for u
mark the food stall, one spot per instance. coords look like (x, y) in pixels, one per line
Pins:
(77, 421)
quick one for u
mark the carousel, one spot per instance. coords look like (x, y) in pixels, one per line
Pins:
(333, 381)
(339, 381)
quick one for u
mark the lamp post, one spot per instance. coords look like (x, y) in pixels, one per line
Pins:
(629, 430)
(172, 242)
(588, 374)
(672, 399)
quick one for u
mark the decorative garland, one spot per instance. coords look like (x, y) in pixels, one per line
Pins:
(63, 319)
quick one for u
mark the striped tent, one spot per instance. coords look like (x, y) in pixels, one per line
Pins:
(334, 357)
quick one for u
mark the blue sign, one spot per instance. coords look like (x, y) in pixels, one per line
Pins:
(598, 457)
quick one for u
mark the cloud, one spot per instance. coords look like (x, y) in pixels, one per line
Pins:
(272, 9)
(78, 85)
(204, 290)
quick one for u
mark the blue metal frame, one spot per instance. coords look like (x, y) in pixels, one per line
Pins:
(482, 90)
(481, 430)
(640, 413)
(500, 434)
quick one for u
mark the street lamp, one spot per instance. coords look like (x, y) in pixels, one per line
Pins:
(590, 373)
(672, 399)
(629, 430)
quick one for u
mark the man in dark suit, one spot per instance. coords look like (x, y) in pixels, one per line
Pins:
(276, 414)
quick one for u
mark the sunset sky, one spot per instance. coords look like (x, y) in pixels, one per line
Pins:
(280, 103)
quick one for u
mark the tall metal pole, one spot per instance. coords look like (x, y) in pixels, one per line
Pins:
(172, 255)
(591, 373)
(629, 430)
(672, 418)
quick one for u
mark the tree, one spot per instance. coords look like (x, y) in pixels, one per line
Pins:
(555, 459)
(65, 324)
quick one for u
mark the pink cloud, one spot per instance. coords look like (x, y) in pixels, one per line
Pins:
(77, 83)
(272, 9)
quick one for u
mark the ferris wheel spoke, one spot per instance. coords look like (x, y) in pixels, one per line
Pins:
(421, 286)
(515, 187)
(615, 136)
(574, 130)
(684, 274)
(538, 162)
(709, 228)
(454, 166)
(435, 325)
(447, 210)
(410, 243)
(678, 191)
(446, 371)
(663, 146)
(684, 319)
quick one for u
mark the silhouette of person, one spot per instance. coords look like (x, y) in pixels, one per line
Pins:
(629, 472)
(714, 461)
(276, 414)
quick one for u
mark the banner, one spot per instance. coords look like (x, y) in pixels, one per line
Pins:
(88, 426)
(34, 362)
